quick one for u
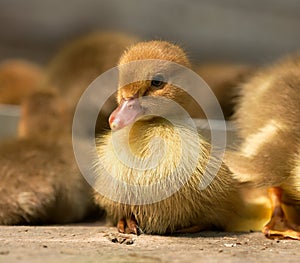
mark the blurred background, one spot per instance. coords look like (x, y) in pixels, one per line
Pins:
(239, 31)
(255, 31)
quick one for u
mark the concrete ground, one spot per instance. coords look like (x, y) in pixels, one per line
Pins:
(94, 242)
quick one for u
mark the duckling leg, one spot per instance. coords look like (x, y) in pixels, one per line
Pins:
(279, 224)
(128, 226)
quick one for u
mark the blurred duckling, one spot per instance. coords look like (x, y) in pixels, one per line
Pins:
(40, 181)
(268, 122)
(48, 187)
(18, 79)
(126, 153)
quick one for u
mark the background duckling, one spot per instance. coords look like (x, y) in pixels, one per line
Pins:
(18, 79)
(189, 207)
(40, 181)
(267, 117)
(54, 190)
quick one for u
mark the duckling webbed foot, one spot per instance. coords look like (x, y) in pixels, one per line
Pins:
(279, 226)
(128, 226)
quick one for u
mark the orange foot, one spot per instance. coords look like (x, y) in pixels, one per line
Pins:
(279, 226)
(128, 226)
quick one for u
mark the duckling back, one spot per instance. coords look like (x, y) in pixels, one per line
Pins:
(267, 118)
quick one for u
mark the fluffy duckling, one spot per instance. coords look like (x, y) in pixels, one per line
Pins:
(125, 154)
(268, 122)
(18, 79)
(40, 184)
(40, 181)
(48, 187)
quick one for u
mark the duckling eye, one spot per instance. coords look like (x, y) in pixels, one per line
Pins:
(157, 81)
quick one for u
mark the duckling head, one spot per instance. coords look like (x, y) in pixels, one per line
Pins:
(145, 70)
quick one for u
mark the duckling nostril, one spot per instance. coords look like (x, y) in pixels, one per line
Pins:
(114, 126)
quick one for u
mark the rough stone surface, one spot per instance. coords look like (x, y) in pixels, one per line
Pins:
(95, 242)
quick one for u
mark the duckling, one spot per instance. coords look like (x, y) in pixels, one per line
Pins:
(172, 199)
(40, 184)
(267, 118)
(51, 174)
(40, 181)
(18, 79)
